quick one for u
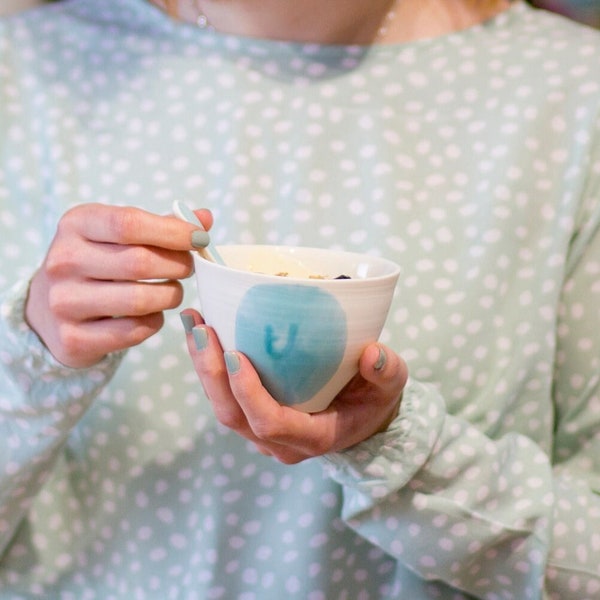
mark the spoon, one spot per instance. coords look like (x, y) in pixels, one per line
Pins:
(185, 213)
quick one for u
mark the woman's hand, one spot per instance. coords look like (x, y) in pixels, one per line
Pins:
(366, 406)
(108, 276)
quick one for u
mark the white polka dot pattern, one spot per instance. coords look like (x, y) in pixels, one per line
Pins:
(473, 160)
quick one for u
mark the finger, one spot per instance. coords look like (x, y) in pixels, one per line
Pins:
(208, 359)
(276, 426)
(134, 263)
(80, 345)
(383, 368)
(207, 356)
(108, 299)
(284, 454)
(130, 226)
(105, 261)
(387, 373)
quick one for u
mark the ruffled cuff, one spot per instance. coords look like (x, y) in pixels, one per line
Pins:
(30, 369)
(387, 461)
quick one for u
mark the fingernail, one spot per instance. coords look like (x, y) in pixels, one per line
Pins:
(380, 361)
(200, 337)
(200, 239)
(188, 322)
(232, 362)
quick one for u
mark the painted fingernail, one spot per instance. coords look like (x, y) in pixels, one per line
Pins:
(380, 361)
(188, 322)
(232, 362)
(200, 337)
(200, 239)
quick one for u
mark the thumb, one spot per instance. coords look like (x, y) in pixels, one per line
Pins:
(385, 370)
(382, 367)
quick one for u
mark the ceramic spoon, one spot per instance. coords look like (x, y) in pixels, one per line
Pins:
(185, 213)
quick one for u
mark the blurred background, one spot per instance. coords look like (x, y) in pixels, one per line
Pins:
(586, 11)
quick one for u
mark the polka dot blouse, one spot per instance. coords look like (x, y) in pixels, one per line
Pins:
(473, 160)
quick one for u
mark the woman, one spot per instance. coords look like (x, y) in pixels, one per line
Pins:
(460, 138)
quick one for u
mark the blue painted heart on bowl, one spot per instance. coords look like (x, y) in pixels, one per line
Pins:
(295, 337)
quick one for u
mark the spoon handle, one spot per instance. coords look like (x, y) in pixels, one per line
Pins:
(185, 213)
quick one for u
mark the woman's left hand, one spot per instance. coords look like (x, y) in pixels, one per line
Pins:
(366, 406)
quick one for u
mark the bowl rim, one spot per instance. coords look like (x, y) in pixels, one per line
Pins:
(394, 267)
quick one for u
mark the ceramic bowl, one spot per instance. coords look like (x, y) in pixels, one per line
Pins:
(302, 329)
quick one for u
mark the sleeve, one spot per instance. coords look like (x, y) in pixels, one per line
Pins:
(40, 402)
(477, 514)
(485, 515)
(449, 503)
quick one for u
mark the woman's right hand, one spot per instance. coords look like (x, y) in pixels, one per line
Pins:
(109, 274)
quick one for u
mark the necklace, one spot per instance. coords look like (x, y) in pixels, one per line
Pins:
(201, 19)
(203, 23)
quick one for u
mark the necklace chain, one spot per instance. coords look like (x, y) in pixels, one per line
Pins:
(203, 23)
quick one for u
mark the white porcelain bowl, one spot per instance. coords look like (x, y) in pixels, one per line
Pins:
(304, 335)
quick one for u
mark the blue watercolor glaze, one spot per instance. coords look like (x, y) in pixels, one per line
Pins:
(294, 335)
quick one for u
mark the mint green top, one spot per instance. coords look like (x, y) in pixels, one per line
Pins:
(473, 160)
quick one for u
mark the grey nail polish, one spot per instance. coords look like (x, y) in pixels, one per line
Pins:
(200, 239)
(200, 337)
(188, 322)
(380, 361)
(232, 362)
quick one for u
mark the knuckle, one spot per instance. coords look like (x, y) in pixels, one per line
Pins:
(72, 345)
(59, 303)
(70, 219)
(321, 446)
(211, 371)
(137, 301)
(288, 457)
(124, 224)
(231, 418)
(60, 262)
(267, 430)
(290, 460)
(137, 264)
